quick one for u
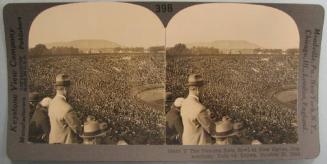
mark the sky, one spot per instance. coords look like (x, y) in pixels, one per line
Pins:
(132, 25)
(264, 26)
(126, 24)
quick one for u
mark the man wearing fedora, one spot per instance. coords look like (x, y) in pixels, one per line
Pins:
(65, 126)
(198, 126)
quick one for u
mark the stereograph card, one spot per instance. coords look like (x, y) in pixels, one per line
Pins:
(162, 81)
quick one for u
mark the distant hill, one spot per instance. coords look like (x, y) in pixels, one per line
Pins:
(225, 44)
(85, 45)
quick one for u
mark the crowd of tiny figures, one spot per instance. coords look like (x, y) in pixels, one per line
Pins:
(236, 89)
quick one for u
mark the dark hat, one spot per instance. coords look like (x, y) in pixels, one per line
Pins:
(33, 96)
(104, 127)
(238, 127)
(169, 96)
(195, 80)
(62, 80)
(90, 118)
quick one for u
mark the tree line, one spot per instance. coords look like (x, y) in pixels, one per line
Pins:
(182, 49)
(41, 49)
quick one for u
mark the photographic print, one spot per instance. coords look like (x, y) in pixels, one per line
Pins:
(96, 75)
(231, 65)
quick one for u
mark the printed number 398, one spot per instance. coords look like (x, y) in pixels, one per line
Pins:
(164, 8)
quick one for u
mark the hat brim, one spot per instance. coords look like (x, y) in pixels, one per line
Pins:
(227, 135)
(101, 134)
(198, 84)
(63, 83)
(239, 129)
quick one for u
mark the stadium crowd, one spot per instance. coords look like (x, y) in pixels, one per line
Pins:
(101, 86)
(243, 88)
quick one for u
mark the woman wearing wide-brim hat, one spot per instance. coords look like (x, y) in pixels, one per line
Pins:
(93, 131)
(225, 130)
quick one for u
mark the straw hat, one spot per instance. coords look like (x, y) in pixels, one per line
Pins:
(122, 142)
(93, 128)
(195, 80)
(62, 80)
(225, 128)
(256, 142)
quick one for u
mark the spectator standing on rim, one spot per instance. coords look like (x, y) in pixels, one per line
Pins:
(198, 127)
(39, 126)
(65, 125)
(33, 99)
(174, 124)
